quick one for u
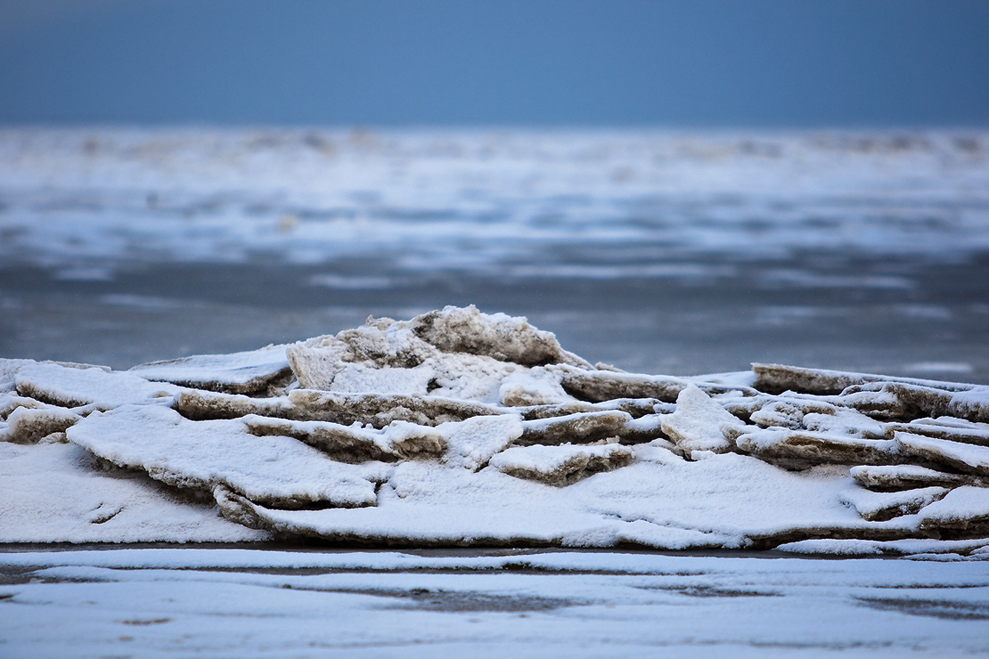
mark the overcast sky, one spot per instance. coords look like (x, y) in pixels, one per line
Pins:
(496, 62)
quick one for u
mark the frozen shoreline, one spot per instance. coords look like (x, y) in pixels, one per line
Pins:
(458, 428)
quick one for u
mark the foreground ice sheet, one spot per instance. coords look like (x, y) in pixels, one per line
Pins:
(243, 603)
(459, 428)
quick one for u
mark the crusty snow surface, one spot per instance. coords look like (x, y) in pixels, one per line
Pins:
(191, 602)
(459, 428)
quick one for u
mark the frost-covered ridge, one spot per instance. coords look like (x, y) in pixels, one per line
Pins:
(460, 428)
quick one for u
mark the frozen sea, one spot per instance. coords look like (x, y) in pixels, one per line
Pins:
(656, 251)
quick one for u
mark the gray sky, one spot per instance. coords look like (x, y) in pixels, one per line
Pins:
(496, 62)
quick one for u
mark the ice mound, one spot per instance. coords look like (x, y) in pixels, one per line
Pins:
(461, 353)
(460, 428)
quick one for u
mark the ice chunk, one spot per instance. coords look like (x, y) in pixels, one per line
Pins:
(881, 506)
(644, 429)
(964, 509)
(789, 412)
(897, 401)
(777, 378)
(278, 471)
(598, 386)
(8, 372)
(972, 404)
(907, 477)
(11, 401)
(76, 387)
(238, 373)
(700, 423)
(964, 457)
(307, 405)
(561, 465)
(506, 338)
(361, 378)
(798, 449)
(888, 547)
(200, 405)
(471, 443)
(380, 410)
(386, 343)
(582, 428)
(970, 433)
(355, 444)
(534, 387)
(28, 426)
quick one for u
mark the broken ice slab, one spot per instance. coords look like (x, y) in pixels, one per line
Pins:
(700, 423)
(28, 426)
(250, 372)
(203, 405)
(789, 412)
(307, 405)
(637, 407)
(956, 430)
(598, 386)
(583, 428)
(962, 512)
(898, 401)
(561, 465)
(777, 378)
(471, 443)
(881, 506)
(8, 372)
(355, 444)
(278, 471)
(380, 410)
(797, 449)
(10, 401)
(967, 458)
(89, 386)
(908, 477)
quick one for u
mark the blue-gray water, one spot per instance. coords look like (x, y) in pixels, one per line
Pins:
(661, 252)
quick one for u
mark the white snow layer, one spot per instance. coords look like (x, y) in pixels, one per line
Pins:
(510, 440)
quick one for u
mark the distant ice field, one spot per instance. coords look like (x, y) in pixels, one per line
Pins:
(656, 251)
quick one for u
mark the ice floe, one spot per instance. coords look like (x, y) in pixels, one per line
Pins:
(460, 428)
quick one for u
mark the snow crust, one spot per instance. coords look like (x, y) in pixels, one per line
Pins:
(461, 428)
(560, 604)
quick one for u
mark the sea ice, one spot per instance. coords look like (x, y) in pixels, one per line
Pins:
(459, 428)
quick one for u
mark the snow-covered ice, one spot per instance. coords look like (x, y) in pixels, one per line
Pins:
(576, 456)
(241, 603)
